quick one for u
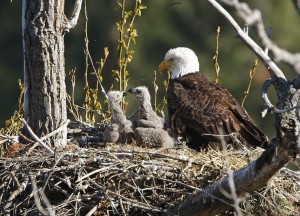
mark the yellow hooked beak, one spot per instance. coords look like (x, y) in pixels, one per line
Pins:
(165, 65)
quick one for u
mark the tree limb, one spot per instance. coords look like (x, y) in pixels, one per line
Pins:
(268, 105)
(73, 21)
(272, 67)
(254, 18)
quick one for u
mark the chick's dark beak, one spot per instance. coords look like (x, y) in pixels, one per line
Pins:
(131, 90)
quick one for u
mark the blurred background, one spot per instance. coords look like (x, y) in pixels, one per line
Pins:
(163, 25)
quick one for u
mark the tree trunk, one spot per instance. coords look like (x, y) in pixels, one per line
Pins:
(44, 67)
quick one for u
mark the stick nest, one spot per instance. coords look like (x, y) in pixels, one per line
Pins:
(128, 180)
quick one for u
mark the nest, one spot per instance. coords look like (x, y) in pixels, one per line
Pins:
(128, 180)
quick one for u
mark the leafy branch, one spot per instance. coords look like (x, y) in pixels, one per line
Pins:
(91, 104)
(127, 35)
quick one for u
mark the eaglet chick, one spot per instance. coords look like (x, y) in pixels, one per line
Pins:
(150, 130)
(121, 129)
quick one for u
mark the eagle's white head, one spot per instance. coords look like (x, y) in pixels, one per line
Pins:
(180, 61)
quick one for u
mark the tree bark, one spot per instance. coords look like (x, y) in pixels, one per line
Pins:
(44, 25)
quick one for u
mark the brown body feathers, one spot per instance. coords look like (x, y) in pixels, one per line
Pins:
(201, 111)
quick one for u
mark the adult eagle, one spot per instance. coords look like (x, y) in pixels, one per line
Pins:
(201, 110)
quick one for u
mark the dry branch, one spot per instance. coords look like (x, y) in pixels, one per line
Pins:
(272, 67)
(254, 18)
(76, 11)
(38, 140)
(212, 200)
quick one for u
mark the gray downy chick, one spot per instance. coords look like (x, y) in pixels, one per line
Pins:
(153, 138)
(111, 134)
(147, 117)
(150, 131)
(121, 127)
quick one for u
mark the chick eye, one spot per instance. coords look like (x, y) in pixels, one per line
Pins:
(171, 59)
(138, 91)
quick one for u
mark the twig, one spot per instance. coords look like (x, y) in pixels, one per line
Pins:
(13, 174)
(98, 78)
(180, 183)
(15, 193)
(37, 201)
(106, 195)
(220, 135)
(251, 75)
(92, 211)
(155, 154)
(52, 169)
(36, 138)
(137, 203)
(215, 58)
(233, 193)
(95, 171)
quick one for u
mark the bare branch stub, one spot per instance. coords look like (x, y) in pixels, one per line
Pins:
(76, 11)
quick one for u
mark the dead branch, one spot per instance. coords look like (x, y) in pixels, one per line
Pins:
(76, 11)
(36, 138)
(269, 107)
(62, 127)
(254, 18)
(21, 187)
(272, 67)
(212, 201)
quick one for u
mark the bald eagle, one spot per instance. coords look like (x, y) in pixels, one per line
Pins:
(201, 110)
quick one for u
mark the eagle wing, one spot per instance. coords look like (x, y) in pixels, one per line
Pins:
(200, 105)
